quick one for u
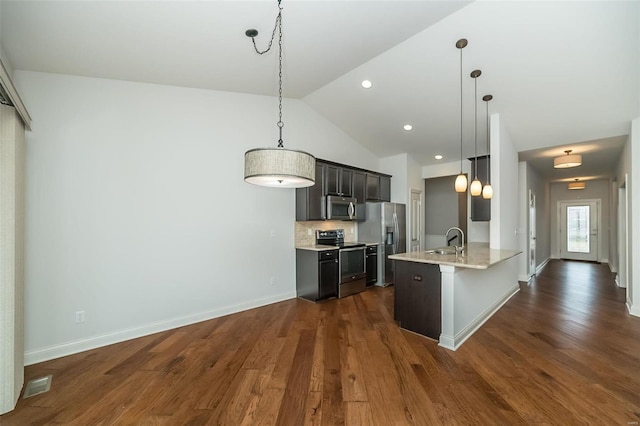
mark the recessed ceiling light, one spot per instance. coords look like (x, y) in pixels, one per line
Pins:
(407, 127)
(367, 84)
(438, 157)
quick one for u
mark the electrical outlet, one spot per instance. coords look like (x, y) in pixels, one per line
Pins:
(79, 317)
(309, 231)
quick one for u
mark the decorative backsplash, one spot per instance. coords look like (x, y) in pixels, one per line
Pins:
(304, 239)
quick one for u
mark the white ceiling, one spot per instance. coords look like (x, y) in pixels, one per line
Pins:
(563, 74)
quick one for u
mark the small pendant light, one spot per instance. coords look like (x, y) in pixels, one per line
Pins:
(278, 167)
(476, 185)
(461, 179)
(487, 190)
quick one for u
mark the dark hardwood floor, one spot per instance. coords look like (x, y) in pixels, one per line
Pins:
(562, 351)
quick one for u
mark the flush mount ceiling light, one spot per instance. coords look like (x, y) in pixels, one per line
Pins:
(407, 127)
(367, 84)
(487, 190)
(461, 179)
(577, 185)
(278, 167)
(566, 161)
(476, 185)
(438, 157)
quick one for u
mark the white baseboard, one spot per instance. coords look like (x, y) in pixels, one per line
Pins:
(454, 342)
(633, 309)
(68, 348)
(524, 278)
(542, 265)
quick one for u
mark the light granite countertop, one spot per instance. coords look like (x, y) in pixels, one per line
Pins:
(475, 256)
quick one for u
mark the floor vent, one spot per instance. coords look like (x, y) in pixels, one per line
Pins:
(38, 386)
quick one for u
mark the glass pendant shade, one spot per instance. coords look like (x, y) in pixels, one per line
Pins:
(487, 192)
(476, 187)
(279, 167)
(461, 183)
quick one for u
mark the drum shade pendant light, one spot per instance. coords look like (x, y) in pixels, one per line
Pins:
(487, 190)
(461, 179)
(476, 185)
(278, 167)
(577, 185)
(566, 161)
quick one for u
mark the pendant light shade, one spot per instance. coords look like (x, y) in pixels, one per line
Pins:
(461, 183)
(476, 187)
(278, 167)
(461, 179)
(487, 190)
(566, 161)
(576, 185)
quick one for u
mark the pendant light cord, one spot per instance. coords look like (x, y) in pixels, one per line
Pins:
(277, 26)
(461, 110)
(475, 122)
(488, 171)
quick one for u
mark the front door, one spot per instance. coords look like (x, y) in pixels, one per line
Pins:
(579, 226)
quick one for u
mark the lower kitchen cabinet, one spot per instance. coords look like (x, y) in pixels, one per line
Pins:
(317, 274)
(418, 298)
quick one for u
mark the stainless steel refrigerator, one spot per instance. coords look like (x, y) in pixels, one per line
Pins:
(386, 225)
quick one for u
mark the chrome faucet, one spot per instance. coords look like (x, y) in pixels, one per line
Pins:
(459, 249)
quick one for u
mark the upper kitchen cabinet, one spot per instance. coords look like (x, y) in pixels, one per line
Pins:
(339, 181)
(378, 187)
(310, 201)
(480, 208)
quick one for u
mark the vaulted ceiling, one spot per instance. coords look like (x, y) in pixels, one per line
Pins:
(563, 74)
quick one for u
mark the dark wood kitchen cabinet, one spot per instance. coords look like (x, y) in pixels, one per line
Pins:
(378, 187)
(339, 181)
(418, 298)
(360, 193)
(310, 201)
(480, 208)
(317, 274)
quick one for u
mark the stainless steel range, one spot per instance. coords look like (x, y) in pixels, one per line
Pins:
(352, 261)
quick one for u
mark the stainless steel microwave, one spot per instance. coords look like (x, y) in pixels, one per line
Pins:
(341, 208)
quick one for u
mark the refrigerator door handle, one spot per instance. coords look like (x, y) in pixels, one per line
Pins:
(396, 230)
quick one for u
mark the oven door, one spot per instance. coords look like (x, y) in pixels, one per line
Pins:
(352, 264)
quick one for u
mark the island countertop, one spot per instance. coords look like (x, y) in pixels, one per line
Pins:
(475, 256)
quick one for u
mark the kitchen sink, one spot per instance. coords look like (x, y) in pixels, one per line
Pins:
(442, 250)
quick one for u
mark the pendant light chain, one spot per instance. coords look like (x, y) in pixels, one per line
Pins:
(278, 27)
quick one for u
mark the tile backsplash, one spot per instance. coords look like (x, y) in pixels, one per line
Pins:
(304, 239)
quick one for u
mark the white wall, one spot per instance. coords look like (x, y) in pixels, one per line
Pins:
(595, 190)
(633, 189)
(137, 212)
(407, 176)
(504, 173)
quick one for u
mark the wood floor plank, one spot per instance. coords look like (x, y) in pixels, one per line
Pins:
(563, 350)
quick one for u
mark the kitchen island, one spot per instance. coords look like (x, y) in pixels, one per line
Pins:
(447, 297)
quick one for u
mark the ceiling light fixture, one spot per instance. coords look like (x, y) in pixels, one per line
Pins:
(278, 167)
(408, 127)
(476, 185)
(566, 161)
(438, 157)
(367, 84)
(461, 179)
(487, 190)
(577, 185)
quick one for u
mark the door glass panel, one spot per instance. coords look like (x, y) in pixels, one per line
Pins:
(578, 229)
